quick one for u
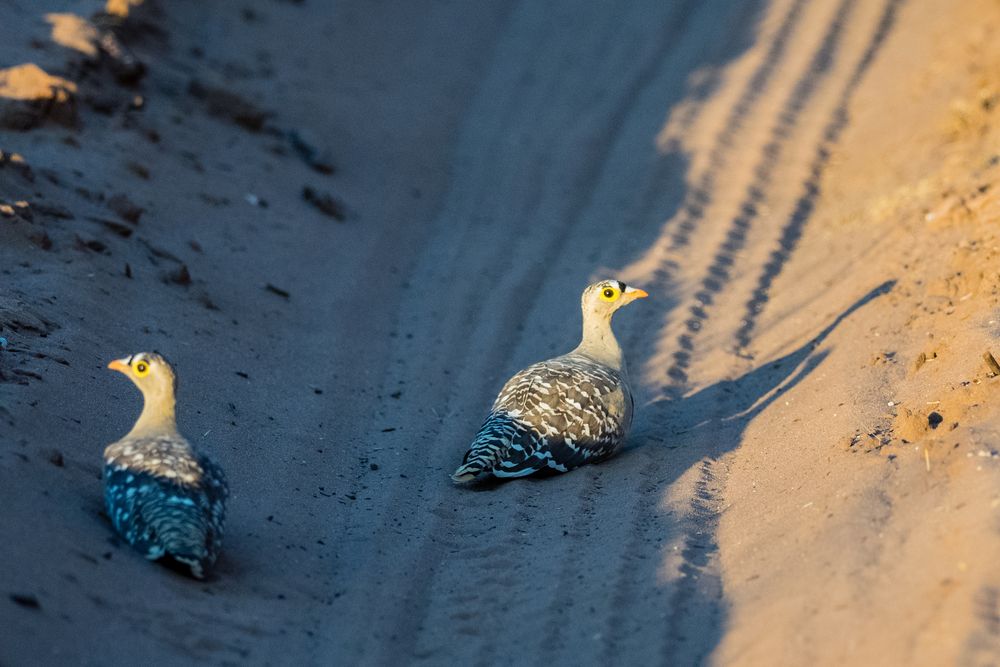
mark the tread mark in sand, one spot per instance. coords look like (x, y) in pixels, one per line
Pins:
(701, 524)
(801, 213)
(693, 206)
(698, 198)
(982, 646)
(718, 273)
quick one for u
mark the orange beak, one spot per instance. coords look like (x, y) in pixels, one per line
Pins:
(638, 293)
(119, 365)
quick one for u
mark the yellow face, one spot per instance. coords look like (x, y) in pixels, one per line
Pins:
(610, 293)
(149, 371)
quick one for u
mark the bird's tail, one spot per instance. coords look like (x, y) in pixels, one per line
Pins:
(164, 519)
(183, 531)
(488, 449)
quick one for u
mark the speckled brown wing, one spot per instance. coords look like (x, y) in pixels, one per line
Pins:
(556, 414)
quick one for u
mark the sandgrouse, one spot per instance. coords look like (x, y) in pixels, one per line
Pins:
(564, 412)
(164, 498)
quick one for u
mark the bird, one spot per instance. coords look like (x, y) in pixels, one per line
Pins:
(564, 412)
(164, 498)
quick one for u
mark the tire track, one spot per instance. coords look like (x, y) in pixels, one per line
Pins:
(488, 570)
(699, 197)
(692, 208)
(403, 505)
(983, 645)
(718, 275)
(562, 603)
(699, 581)
(792, 231)
(695, 594)
(650, 486)
(696, 602)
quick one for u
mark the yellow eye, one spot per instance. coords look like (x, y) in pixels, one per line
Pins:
(141, 368)
(610, 293)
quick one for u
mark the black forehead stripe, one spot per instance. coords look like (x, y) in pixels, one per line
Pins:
(128, 362)
(621, 286)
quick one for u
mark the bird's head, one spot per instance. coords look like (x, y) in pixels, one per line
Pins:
(150, 372)
(606, 296)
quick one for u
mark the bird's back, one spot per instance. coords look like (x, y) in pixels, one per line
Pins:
(556, 415)
(165, 500)
(571, 398)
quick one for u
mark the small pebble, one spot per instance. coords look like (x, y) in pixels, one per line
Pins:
(254, 200)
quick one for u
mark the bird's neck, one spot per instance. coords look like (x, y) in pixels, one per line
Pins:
(157, 418)
(599, 342)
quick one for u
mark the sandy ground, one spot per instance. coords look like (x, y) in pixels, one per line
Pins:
(809, 190)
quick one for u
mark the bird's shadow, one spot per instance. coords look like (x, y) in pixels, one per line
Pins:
(729, 405)
(677, 433)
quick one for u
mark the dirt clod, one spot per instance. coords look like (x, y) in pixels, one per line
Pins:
(229, 106)
(179, 276)
(25, 600)
(325, 203)
(991, 362)
(274, 289)
(306, 148)
(125, 208)
(29, 96)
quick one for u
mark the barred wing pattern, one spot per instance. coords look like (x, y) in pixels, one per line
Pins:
(557, 414)
(166, 502)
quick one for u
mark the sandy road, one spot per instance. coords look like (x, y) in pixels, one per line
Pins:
(498, 158)
(626, 569)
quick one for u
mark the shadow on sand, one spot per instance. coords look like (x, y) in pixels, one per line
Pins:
(674, 434)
